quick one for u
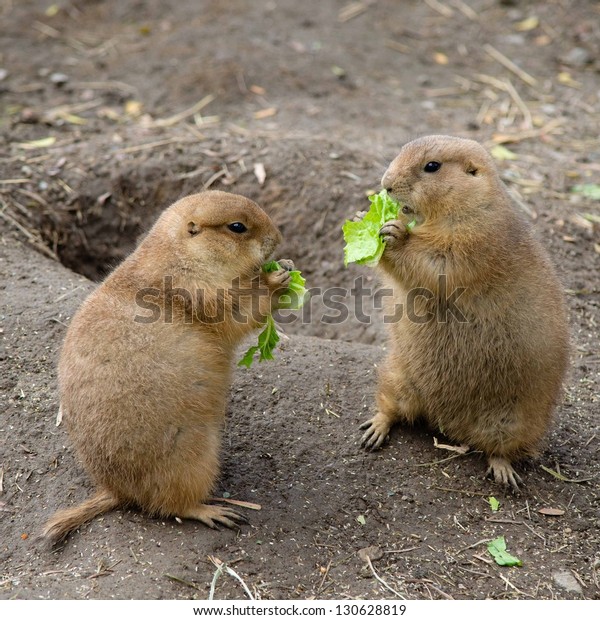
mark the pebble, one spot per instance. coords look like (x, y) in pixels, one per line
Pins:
(565, 579)
(515, 39)
(59, 78)
(576, 57)
(3, 74)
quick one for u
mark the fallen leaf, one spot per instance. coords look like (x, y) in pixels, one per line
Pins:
(494, 504)
(260, 173)
(24, 536)
(338, 71)
(265, 113)
(528, 24)
(589, 190)
(52, 10)
(440, 58)
(257, 90)
(564, 77)
(361, 519)
(501, 153)
(72, 118)
(551, 512)
(37, 144)
(497, 549)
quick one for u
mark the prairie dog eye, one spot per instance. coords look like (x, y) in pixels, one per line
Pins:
(432, 166)
(407, 210)
(237, 227)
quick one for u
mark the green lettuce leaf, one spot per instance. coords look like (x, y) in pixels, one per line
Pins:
(267, 341)
(268, 338)
(364, 246)
(497, 548)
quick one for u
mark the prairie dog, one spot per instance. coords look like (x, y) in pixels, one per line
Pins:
(487, 368)
(144, 396)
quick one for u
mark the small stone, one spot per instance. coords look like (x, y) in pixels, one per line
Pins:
(59, 78)
(566, 580)
(3, 74)
(373, 553)
(576, 57)
(515, 39)
(29, 115)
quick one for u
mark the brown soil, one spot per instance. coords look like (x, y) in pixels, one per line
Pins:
(324, 103)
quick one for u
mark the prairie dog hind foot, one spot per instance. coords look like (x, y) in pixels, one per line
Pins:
(213, 516)
(503, 472)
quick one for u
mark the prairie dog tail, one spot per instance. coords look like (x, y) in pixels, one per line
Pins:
(65, 521)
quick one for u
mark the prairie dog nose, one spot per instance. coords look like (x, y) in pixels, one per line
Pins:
(386, 181)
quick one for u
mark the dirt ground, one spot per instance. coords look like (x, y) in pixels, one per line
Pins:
(110, 110)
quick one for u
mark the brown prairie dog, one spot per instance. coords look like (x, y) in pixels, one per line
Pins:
(144, 400)
(489, 375)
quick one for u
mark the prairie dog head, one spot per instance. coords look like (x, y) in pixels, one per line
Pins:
(442, 177)
(216, 235)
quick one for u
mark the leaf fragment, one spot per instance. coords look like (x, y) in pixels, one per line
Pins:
(551, 512)
(588, 190)
(497, 549)
(260, 173)
(494, 504)
(293, 299)
(528, 24)
(501, 153)
(265, 113)
(364, 246)
(37, 144)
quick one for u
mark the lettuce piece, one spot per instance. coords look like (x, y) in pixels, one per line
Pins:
(267, 341)
(497, 549)
(364, 246)
(268, 338)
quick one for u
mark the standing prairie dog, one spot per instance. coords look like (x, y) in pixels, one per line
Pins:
(481, 350)
(144, 396)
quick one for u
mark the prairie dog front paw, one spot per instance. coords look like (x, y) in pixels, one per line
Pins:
(393, 232)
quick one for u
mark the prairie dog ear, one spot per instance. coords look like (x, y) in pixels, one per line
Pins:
(471, 168)
(193, 228)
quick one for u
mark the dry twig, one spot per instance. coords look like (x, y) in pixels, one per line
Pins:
(222, 567)
(510, 65)
(177, 118)
(440, 8)
(381, 581)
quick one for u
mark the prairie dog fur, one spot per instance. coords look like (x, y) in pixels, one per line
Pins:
(491, 376)
(143, 398)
